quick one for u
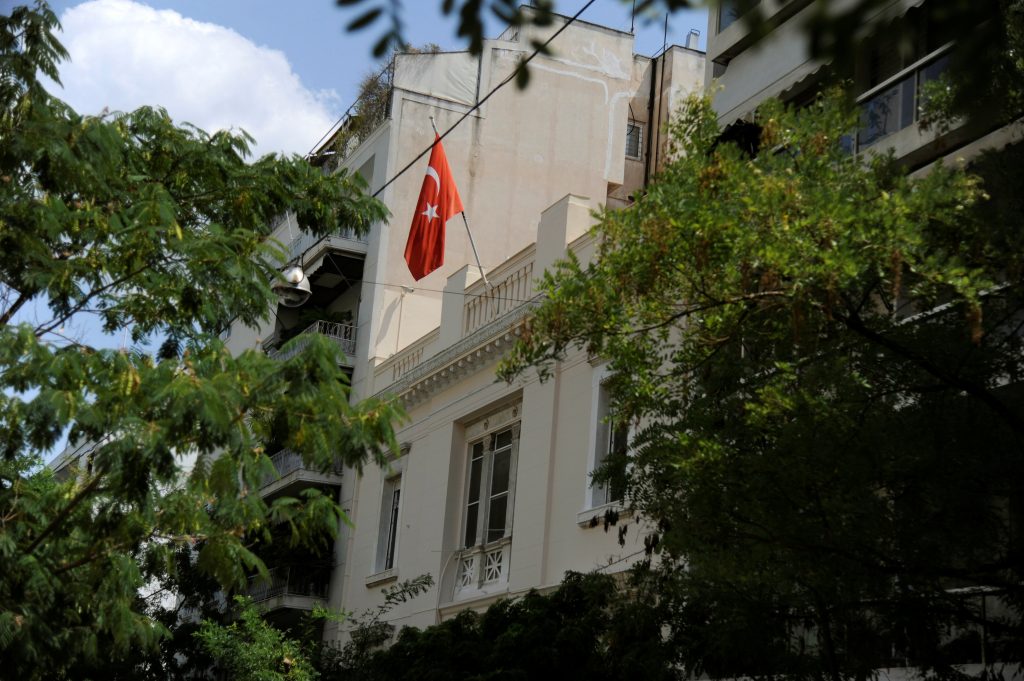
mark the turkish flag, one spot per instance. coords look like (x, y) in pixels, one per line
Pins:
(438, 201)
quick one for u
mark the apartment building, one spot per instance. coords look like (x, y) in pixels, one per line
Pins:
(491, 493)
(891, 70)
(901, 49)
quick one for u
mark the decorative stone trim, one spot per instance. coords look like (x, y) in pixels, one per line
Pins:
(462, 358)
(482, 569)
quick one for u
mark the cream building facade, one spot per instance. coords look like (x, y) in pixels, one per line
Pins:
(491, 493)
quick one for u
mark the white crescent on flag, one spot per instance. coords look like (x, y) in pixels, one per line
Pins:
(437, 180)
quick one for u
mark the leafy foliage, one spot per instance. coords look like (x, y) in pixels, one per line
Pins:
(822, 358)
(368, 631)
(249, 649)
(585, 629)
(986, 80)
(470, 14)
(162, 230)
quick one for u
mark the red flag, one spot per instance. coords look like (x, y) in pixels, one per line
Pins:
(438, 201)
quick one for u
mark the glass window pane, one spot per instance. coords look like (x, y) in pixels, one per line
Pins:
(880, 116)
(633, 140)
(474, 479)
(471, 513)
(499, 472)
(908, 90)
(731, 10)
(935, 69)
(503, 439)
(496, 518)
(389, 558)
(620, 438)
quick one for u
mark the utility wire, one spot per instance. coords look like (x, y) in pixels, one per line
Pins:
(620, 560)
(439, 290)
(497, 87)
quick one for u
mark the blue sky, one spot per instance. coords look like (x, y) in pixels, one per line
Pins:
(284, 71)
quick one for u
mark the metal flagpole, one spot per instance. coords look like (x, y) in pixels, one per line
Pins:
(472, 243)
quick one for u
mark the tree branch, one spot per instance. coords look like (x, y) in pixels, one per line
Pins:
(64, 513)
(55, 323)
(13, 309)
(985, 396)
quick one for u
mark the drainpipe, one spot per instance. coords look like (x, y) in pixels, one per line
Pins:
(650, 122)
(661, 87)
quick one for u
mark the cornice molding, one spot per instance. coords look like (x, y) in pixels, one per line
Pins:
(461, 359)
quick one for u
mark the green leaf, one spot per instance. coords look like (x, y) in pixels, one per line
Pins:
(364, 20)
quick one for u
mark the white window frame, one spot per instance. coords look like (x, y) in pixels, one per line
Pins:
(483, 566)
(390, 522)
(391, 484)
(630, 123)
(596, 496)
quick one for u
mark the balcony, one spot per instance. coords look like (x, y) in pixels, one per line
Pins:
(289, 587)
(344, 335)
(309, 247)
(364, 116)
(291, 475)
(895, 104)
(483, 569)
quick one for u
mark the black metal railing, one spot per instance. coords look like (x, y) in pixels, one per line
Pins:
(363, 117)
(286, 461)
(344, 335)
(288, 581)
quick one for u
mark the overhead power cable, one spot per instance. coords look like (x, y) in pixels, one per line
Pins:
(486, 294)
(497, 87)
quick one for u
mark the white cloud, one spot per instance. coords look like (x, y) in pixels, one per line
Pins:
(125, 54)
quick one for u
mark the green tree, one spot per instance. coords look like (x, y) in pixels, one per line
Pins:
(249, 649)
(161, 230)
(821, 359)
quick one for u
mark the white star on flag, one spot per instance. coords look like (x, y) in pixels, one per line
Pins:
(430, 212)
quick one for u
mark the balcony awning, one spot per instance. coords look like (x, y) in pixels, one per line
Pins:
(809, 72)
(796, 80)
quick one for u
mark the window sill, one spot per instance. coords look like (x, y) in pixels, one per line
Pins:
(382, 577)
(587, 517)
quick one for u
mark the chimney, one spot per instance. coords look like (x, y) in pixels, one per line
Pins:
(693, 39)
